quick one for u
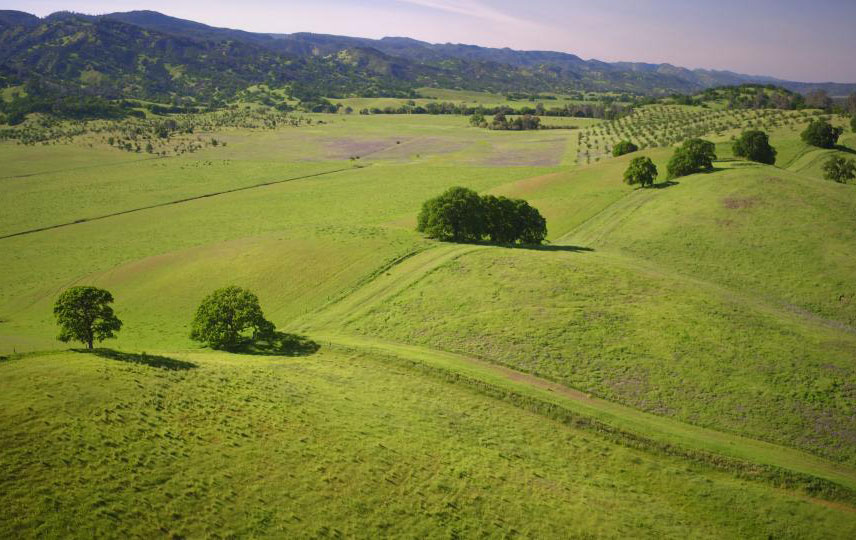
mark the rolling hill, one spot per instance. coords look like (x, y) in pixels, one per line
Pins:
(675, 362)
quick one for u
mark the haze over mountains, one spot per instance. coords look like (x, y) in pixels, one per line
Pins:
(148, 54)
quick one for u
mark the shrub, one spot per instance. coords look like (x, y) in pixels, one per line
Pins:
(754, 145)
(623, 147)
(641, 171)
(84, 314)
(840, 170)
(695, 155)
(224, 315)
(821, 133)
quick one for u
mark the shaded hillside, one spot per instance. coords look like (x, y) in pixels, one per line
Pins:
(567, 68)
(150, 55)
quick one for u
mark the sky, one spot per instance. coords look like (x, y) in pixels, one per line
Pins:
(789, 39)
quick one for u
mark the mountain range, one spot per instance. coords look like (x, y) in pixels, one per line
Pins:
(146, 54)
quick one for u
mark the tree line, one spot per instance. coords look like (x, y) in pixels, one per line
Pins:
(588, 110)
(462, 215)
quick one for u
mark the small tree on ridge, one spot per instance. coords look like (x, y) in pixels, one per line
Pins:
(641, 171)
(84, 314)
(224, 315)
(754, 145)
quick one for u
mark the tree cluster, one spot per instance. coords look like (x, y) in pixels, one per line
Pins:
(70, 107)
(821, 133)
(754, 145)
(520, 123)
(461, 215)
(694, 155)
(623, 147)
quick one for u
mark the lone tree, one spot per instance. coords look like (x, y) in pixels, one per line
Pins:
(839, 169)
(821, 133)
(695, 155)
(754, 145)
(641, 171)
(623, 147)
(84, 314)
(224, 316)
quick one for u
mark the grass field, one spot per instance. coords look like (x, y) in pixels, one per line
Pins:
(336, 445)
(709, 320)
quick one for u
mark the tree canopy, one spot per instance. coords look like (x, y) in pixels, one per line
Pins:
(821, 133)
(839, 169)
(623, 147)
(754, 145)
(84, 314)
(641, 171)
(224, 316)
(694, 155)
(461, 215)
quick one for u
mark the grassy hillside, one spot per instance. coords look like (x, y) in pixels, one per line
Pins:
(780, 236)
(637, 335)
(707, 323)
(336, 445)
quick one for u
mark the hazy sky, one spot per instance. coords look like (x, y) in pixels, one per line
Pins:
(790, 39)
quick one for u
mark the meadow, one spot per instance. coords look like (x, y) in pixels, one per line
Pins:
(670, 354)
(336, 445)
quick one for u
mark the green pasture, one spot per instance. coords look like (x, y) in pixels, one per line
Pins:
(715, 313)
(335, 444)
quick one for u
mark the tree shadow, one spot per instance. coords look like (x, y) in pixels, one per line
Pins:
(662, 185)
(280, 344)
(550, 247)
(845, 149)
(151, 360)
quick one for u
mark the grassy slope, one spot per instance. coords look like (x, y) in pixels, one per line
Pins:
(163, 260)
(337, 445)
(759, 229)
(306, 243)
(635, 335)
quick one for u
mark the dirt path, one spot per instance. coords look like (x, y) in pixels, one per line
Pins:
(655, 427)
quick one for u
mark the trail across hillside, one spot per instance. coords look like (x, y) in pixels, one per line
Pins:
(326, 327)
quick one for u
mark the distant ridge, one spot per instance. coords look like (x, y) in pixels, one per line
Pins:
(149, 54)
